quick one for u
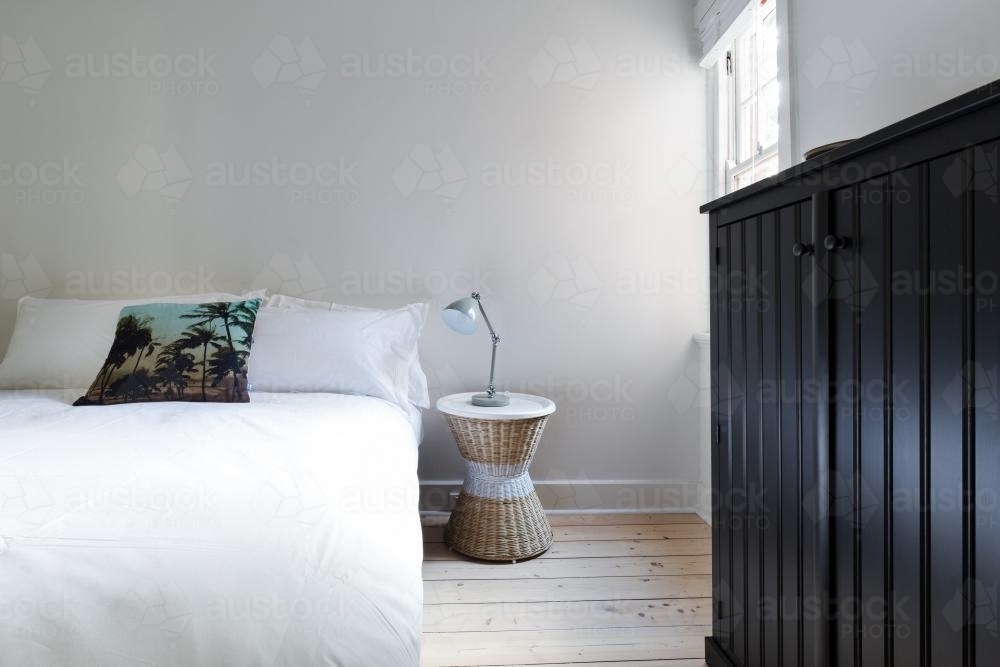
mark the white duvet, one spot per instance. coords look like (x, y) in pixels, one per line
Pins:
(280, 532)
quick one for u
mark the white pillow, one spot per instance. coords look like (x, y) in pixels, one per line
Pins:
(62, 343)
(366, 352)
(415, 316)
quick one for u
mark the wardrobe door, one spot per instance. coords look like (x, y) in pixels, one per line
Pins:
(908, 266)
(962, 553)
(794, 460)
(722, 391)
(928, 532)
(948, 422)
(838, 488)
(982, 460)
(871, 421)
(761, 356)
(906, 459)
(729, 379)
(876, 252)
(853, 493)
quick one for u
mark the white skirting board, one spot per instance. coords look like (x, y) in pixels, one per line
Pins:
(592, 496)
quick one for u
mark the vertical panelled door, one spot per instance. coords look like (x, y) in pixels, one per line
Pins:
(762, 356)
(856, 448)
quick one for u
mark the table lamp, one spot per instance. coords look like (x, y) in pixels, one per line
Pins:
(461, 316)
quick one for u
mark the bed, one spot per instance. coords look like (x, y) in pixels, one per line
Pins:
(280, 532)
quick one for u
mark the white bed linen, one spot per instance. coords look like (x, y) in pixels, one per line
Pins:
(280, 532)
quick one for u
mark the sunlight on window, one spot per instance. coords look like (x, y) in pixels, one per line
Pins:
(749, 101)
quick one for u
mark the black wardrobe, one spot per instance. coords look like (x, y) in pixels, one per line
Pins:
(856, 441)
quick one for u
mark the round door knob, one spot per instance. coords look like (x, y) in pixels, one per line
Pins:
(832, 242)
(800, 249)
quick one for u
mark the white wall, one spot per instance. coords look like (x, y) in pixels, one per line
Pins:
(903, 56)
(618, 362)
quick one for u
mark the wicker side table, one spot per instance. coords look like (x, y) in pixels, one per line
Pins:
(498, 515)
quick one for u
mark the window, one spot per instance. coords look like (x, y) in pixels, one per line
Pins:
(748, 98)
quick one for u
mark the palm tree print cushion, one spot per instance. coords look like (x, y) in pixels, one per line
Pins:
(178, 352)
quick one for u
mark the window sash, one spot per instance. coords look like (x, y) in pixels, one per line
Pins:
(733, 170)
(740, 111)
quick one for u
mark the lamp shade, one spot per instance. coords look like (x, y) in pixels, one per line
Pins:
(460, 315)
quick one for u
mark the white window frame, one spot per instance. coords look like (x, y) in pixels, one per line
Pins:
(722, 97)
(735, 96)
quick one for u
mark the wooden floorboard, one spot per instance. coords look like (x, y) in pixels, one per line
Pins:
(631, 589)
(554, 568)
(567, 590)
(539, 647)
(602, 533)
(600, 549)
(579, 519)
(487, 617)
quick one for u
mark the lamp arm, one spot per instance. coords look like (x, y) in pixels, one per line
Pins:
(490, 389)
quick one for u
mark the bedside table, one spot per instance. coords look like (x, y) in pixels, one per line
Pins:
(498, 515)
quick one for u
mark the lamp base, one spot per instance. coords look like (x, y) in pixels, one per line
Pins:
(487, 401)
